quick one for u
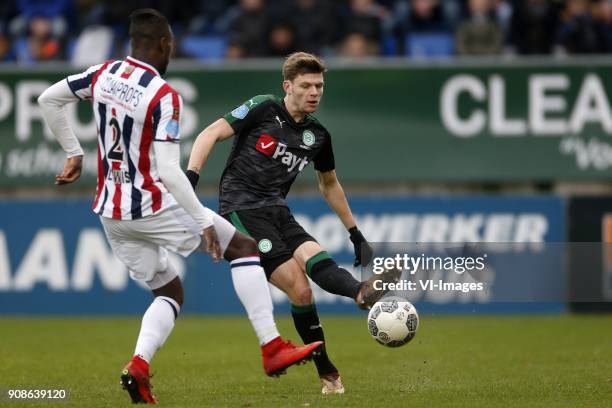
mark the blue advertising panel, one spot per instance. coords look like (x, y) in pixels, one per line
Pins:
(54, 258)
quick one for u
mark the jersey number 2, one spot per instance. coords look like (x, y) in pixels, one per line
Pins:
(116, 150)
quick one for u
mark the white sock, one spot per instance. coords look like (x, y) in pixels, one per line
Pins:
(157, 323)
(252, 288)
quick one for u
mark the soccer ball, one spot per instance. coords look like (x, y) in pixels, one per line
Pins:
(393, 321)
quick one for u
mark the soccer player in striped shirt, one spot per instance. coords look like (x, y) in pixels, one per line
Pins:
(145, 202)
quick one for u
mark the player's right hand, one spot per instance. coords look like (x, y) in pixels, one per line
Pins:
(193, 178)
(71, 171)
(210, 243)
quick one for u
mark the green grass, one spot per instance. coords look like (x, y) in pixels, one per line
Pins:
(213, 362)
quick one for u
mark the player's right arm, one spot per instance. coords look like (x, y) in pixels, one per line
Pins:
(203, 145)
(235, 122)
(52, 104)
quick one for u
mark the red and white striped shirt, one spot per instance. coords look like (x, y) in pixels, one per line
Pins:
(133, 106)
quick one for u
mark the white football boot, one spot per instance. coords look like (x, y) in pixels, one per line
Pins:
(331, 384)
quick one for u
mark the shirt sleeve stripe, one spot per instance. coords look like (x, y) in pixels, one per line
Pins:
(71, 90)
(82, 83)
(146, 79)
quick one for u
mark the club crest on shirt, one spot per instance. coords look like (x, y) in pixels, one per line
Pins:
(128, 70)
(240, 112)
(265, 246)
(308, 138)
(172, 129)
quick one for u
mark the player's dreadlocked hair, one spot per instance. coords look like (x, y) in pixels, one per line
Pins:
(300, 63)
(147, 25)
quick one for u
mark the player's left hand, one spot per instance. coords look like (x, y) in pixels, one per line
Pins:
(363, 250)
(71, 171)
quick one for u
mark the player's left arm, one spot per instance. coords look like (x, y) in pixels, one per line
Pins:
(333, 193)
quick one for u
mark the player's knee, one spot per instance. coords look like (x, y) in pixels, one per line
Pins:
(302, 295)
(241, 246)
(247, 246)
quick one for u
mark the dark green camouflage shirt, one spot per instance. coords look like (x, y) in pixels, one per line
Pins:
(270, 149)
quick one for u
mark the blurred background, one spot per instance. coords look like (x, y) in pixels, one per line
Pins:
(452, 121)
(82, 31)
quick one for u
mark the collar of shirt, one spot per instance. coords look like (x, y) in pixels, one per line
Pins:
(303, 123)
(141, 64)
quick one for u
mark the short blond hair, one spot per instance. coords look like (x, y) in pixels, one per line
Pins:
(300, 63)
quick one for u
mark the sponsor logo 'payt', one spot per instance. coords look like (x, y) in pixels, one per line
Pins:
(271, 147)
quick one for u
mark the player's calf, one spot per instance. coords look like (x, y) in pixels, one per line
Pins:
(308, 325)
(326, 273)
(173, 290)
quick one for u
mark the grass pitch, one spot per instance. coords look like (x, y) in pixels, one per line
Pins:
(551, 361)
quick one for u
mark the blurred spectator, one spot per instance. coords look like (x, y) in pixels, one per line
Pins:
(502, 11)
(420, 26)
(94, 44)
(87, 30)
(178, 13)
(6, 52)
(603, 18)
(58, 13)
(533, 26)
(578, 33)
(316, 24)
(281, 40)
(8, 11)
(208, 12)
(365, 17)
(357, 45)
(45, 23)
(425, 16)
(247, 26)
(116, 15)
(89, 13)
(480, 33)
(43, 44)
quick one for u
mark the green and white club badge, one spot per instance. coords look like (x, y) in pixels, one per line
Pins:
(265, 246)
(308, 138)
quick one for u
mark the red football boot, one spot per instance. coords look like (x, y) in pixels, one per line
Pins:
(278, 355)
(135, 379)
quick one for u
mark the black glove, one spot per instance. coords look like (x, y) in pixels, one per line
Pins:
(193, 178)
(363, 250)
